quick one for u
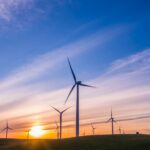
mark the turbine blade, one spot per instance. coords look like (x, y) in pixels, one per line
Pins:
(70, 92)
(87, 85)
(135, 118)
(56, 124)
(66, 109)
(111, 113)
(10, 128)
(108, 120)
(3, 130)
(55, 109)
(92, 126)
(73, 74)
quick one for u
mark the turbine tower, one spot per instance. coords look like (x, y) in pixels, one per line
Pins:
(7, 128)
(60, 119)
(84, 133)
(93, 129)
(77, 84)
(112, 120)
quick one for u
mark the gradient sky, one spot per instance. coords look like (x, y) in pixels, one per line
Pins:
(108, 45)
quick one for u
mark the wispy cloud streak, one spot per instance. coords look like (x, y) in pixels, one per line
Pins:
(119, 88)
(10, 7)
(47, 61)
(141, 60)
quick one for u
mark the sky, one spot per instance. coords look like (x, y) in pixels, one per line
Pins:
(108, 46)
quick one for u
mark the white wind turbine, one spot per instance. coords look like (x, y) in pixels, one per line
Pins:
(77, 84)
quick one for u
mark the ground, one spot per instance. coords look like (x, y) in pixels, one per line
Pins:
(117, 142)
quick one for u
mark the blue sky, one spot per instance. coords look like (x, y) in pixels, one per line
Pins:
(107, 42)
(37, 30)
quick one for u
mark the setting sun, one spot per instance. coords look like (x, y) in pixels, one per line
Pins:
(37, 131)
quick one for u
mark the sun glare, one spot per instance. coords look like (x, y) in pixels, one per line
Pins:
(37, 131)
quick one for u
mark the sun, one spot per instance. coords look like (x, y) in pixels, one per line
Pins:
(37, 131)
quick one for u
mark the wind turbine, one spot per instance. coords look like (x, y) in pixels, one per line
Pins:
(76, 84)
(60, 119)
(93, 129)
(124, 132)
(112, 120)
(57, 130)
(7, 128)
(119, 130)
(28, 134)
(84, 133)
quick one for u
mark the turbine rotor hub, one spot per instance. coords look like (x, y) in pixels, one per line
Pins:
(79, 82)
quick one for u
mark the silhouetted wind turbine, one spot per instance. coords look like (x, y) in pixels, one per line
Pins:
(57, 129)
(7, 128)
(112, 120)
(60, 119)
(28, 134)
(119, 129)
(123, 132)
(93, 129)
(76, 84)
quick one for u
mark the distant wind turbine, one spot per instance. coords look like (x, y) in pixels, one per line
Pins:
(112, 120)
(76, 84)
(7, 128)
(93, 129)
(57, 129)
(123, 132)
(84, 132)
(28, 134)
(60, 119)
(119, 130)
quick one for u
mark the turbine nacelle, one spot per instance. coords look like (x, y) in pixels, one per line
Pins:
(79, 82)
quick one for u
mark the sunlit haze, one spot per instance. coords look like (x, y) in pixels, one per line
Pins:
(37, 131)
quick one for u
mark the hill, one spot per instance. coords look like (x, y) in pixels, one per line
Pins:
(117, 142)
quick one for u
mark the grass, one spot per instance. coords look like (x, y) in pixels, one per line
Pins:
(117, 142)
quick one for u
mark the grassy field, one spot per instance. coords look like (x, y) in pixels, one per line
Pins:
(117, 142)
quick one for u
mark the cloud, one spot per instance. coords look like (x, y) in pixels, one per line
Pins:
(18, 10)
(132, 71)
(45, 62)
(141, 59)
(120, 89)
(124, 87)
(8, 8)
